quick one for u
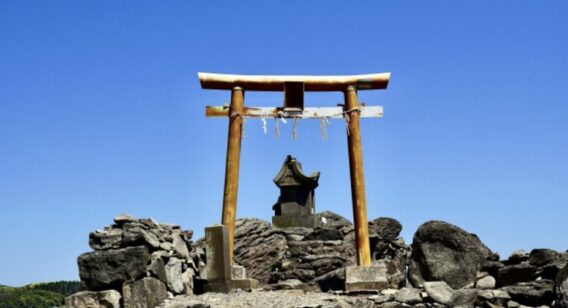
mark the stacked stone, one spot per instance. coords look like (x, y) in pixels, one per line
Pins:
(294, 257)
(315, 259)
(137, 263)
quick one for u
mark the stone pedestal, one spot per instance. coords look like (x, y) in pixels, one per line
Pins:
(366, 278)
(220, 274)
(283, 222)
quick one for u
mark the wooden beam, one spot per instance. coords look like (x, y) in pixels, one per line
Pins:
(307, 113)
(232, 166)
(357, 179)
(276, 83)
(294, 95)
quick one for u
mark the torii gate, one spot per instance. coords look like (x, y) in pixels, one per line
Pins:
(293, 88)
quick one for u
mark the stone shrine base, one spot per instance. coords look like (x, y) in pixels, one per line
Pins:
(304, 221)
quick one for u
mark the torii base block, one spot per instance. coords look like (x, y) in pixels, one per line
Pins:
(366, 278)
(220, 274)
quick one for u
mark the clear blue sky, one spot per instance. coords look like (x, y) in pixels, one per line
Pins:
(101, 112)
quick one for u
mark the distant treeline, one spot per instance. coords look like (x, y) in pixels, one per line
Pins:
(39, 295)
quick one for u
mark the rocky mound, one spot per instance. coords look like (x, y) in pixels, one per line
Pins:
(314, 258)
(140, 263)
(136, 262)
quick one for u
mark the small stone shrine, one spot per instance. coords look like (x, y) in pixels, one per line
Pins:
(295, 206)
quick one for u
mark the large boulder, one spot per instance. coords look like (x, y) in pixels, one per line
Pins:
(444, 252)
(108, 269)
(144, 293)
(91, 299)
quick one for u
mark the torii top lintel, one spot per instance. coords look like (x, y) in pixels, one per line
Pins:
(276, 82)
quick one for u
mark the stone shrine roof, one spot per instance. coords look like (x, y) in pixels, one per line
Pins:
(291, 174)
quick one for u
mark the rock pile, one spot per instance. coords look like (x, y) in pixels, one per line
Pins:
(140, 263)
(444, 267)
(314, 259)
(137, 262)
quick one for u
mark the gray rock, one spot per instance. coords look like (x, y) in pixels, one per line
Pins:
(145, 293)
(394, 271)
(441, 251)
(380, 298)
(408, 296)
(331, 220)
(290, 284)
(108, 238)
(439, 291)
(513, 304)
(167, 246)
(386, 229)
(150, 223)
(295, 273)
(157, 267)
(561, 288)
(180, 248)
(321, 234)
(543, 256)
(90, 299)
(467, 297)
(487, 282)
(501, 297)
(174, 276)
(123, 218)
(486, 294)
(394, 305)
(257, 249)
(187, 278)
(384, 240)
(533, 293)
(334, 280)
(512, 274)
(517, 257)
(108, 269)
(491, 267)
(134, 234)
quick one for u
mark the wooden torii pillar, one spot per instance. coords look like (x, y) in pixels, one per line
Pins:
(293, 88)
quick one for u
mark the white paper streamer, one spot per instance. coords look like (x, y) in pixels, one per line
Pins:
(264, 128)
(276, 129)
(295, 122)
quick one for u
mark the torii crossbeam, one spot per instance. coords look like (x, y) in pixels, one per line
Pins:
(294, 88)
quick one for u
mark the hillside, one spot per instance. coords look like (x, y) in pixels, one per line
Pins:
(39, 295)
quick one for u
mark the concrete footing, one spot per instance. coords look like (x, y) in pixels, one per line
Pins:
(220, 274)
(365, 278)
